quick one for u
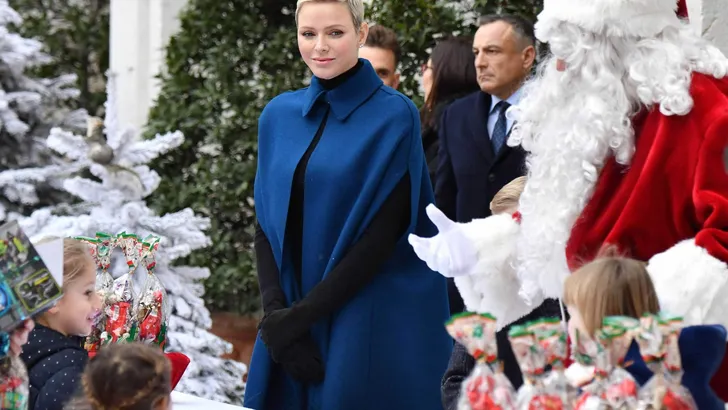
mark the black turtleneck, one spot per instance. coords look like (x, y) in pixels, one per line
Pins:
(362, 261)
(332, 83)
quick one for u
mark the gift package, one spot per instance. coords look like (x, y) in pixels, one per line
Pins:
(30, 284)
(541, 350)
(127, 314)
(486, 387)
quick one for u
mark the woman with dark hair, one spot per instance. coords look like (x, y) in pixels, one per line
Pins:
(448, 75)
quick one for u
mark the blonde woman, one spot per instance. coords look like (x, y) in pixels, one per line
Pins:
(353, 319)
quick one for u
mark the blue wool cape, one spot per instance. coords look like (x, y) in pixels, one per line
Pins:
(387, 348)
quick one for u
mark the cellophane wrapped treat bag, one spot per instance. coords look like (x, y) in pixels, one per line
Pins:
(119, 307)
(552, 338)
(486, 388)
(618, 386)
(531, 357)
(658, 340)
(152, 307)
(100, 248)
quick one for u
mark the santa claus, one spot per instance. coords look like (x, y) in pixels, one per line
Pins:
(625, 124)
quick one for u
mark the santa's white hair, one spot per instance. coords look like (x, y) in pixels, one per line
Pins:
(572, 121)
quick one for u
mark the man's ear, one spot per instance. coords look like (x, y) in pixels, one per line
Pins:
(396, 81)
(529, 57)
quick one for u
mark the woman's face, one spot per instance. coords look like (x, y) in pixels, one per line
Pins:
(327, 39)
(427, 78)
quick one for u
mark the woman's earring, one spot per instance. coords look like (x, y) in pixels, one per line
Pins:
(361, 45)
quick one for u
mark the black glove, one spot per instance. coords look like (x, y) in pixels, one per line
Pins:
(302, 361)
(280, 328)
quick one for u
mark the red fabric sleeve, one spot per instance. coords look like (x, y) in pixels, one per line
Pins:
(710, 192)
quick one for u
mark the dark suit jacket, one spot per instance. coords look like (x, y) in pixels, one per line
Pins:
(469, 174)
(431, 144)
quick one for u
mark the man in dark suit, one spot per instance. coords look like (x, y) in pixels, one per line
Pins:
(476, 162)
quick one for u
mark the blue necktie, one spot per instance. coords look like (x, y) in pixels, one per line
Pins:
(500, 131)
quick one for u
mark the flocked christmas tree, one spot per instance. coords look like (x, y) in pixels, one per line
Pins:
(115, 203)
(29, 108)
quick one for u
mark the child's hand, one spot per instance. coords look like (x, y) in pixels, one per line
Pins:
(20, 337)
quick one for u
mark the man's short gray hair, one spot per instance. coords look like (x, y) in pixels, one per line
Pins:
(356, 8)
(521, 27)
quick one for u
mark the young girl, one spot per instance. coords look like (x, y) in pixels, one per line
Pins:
(131, 376)
(608, 286)
(617, 286)
(54, 354)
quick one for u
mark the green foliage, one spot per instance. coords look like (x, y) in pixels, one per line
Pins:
(420, 23)
(76, 36)
(525, 8)
(228, 60)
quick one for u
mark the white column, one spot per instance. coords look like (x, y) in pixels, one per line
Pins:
(139, 33)
(710, 17)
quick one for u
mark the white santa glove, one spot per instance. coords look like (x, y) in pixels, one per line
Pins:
(450, 252)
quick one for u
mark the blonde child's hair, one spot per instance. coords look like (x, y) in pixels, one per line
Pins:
(125, 376)
(507, 198)
(356, 9)
(76, 258)
(610, 286)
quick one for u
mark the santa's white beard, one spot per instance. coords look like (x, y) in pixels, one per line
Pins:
(572, 122)
(569, 125)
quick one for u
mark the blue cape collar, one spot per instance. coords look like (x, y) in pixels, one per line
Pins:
(348, 96)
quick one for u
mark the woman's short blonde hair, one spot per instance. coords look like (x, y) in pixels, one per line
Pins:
(356, 8)
(507, 198)
(610, 286)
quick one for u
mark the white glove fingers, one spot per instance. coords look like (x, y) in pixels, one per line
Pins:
(442, 222)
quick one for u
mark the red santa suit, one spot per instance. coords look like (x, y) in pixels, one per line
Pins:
(670, 207)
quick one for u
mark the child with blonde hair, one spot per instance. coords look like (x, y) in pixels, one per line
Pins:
(617, 286)
(130, 376)
(54, 354)
(608, 286)
(505, 201)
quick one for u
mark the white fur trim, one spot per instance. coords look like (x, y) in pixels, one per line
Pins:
(621, 18)
(492, 285)
(466, 288)
(691, 283)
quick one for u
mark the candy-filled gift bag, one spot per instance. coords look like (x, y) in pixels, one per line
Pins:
(152, 309)
(486, 388)
(130, 312)
(658, 341)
